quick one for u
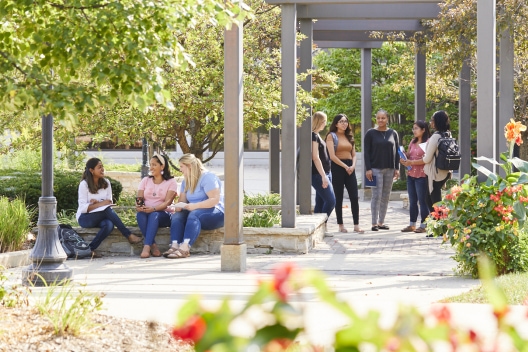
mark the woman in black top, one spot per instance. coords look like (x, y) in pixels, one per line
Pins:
(321, 175)
(382, 162)
(341, 148)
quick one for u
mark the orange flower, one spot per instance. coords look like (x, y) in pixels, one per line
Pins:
(512, 131)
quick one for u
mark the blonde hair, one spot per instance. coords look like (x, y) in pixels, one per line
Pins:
(317, 119)
(195, 171)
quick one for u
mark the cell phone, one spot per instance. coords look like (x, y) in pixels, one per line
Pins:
(140, 202)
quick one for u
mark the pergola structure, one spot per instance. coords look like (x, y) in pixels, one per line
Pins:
(346, 24)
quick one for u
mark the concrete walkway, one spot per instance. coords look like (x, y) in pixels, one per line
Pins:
(374, 270)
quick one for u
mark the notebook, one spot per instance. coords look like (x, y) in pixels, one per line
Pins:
(370, 183)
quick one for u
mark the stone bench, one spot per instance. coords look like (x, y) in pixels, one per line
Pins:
(259, 240)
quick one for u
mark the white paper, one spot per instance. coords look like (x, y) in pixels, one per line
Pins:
(102, 208)
(422, 145)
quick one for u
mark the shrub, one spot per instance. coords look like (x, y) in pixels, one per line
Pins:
(28, 186)
(487, 218)
(262, 199)
(262, 218)
(14, 224)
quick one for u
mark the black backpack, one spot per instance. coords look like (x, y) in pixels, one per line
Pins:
(448, 154)
(72, 243)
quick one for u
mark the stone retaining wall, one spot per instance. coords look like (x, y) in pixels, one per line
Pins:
(299, 240)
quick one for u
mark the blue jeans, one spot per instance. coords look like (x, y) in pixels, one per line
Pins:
(105, 220)
(150, 222)
(381, 194)
(325, 199)
(418, 190)
(186, 225)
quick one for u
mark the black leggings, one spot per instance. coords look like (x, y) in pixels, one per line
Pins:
(436, 195)
(340, 180)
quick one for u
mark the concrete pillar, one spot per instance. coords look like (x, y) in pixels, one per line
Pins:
(366, 101)
(486, 83)
(506, 95)
(274, 156)
(420, 75)
(233, 251)
(289, 115)
(305, 131)
(464, 118)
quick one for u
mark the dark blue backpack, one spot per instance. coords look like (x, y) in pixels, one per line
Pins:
(72, 243)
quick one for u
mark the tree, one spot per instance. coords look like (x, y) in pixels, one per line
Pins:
(72, 57)
(197, 121)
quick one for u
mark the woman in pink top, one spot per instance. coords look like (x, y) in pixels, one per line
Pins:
(417, 186)
(155, 193)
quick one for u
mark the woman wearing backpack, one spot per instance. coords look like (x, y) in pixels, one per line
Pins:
(95, 206)
(436, 177)
(416, 178)
(321, 176)
(341, 147)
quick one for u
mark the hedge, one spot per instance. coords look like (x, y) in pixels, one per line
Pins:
(28, 186)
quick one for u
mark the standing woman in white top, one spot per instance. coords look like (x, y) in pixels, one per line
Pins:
(436, 178)
(95, 200)
(155, 193)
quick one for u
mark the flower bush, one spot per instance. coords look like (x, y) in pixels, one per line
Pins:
(487, 217)
(271, 321)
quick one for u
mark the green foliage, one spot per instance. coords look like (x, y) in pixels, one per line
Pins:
(411, 330)
(66, 60)
(69, 312)
(15, 223)
(486, 219)
(262, 218)
(262, 199)
(399, 185)
(197, 93)
(28, 186)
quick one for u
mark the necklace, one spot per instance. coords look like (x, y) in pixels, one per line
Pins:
(156, 187)
(384, 133)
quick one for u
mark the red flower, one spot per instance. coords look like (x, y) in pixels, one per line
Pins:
(278, 345)
(281, 274)
(442, 314)
(192, 330)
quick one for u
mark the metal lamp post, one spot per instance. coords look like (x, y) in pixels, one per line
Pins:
(47, 256)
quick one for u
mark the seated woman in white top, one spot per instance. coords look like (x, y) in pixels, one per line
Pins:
(95, 201)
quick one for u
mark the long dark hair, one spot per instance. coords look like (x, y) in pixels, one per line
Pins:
(165, 174)
(425, 127)
(88, 177)
(441, 121)
(348, 132)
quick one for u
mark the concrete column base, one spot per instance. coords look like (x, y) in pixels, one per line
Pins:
(233, 257)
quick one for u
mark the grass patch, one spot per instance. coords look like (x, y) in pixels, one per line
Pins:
(68, 311)
(515, 287)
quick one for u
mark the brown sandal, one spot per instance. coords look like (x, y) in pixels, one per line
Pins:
(170, 251)
(178, 254)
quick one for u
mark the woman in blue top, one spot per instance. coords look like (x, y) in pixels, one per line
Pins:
(200, 206)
